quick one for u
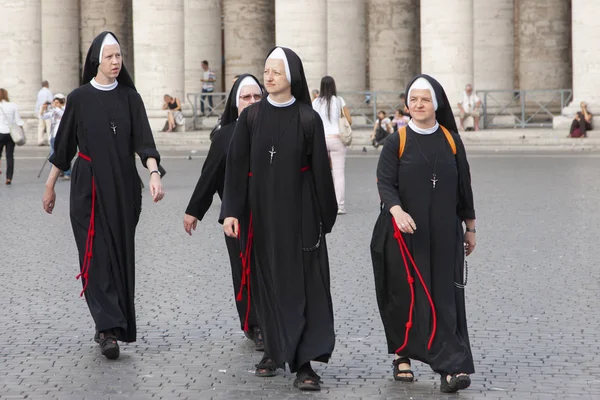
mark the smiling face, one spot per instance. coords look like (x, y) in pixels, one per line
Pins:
(249, 94)
(421, 107)
(111, 63)
(274, 77)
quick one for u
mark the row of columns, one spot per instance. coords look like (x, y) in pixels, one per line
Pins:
(376, 44)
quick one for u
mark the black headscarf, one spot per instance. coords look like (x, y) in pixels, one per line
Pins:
(443, 114)
(299, 84)
(231, 111)
(92, 61)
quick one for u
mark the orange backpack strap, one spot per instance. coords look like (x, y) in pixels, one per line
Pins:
(449, 138)
(402, 133)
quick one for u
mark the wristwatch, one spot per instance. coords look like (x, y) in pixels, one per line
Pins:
(155, 171)
(474, 230)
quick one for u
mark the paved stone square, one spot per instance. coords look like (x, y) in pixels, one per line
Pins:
(532, 297)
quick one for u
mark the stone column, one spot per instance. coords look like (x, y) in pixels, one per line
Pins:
(158, 36)
(302, 26)
(249, 34)
(586, 53)
(21, 60)
(60, 49)
(447, 44)
(586, 61)
(347, 44)
(203, 41)
(545, 44)
(493, 44)
(107, 15)
(393, 31)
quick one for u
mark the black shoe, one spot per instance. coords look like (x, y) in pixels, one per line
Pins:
(265, 368)
(398, 371)
(259, 344)
(307, 380)
(108, 345)
(457, 382)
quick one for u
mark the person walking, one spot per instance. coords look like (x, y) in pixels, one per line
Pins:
(105, 124)
(427, 226)
(277, 167)
(9, 115)
(330, 107)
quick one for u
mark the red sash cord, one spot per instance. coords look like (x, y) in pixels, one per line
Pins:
(89, 243)
(406, 253)
(246, 261)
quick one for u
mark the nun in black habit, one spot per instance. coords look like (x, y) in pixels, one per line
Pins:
(245, 91)
(425, 187)
(105, 124)
(278, 166)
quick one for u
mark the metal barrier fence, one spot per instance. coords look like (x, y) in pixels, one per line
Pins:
(522, 108)
(363, 106)
(213, 104)
(501, 108)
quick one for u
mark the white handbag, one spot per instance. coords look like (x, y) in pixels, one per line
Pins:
(345, 128)
(16, 132)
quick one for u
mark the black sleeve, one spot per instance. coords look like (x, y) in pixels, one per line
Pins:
(387, 173)
(236, 171)
(465, 208)
(321, 170)
(143, 141)
(65, 143)
(213, 172)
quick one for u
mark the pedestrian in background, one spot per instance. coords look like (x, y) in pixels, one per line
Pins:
(44, 96)
(9, 115)
(330, 107)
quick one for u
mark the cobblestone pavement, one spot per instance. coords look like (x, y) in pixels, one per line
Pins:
(532, 296)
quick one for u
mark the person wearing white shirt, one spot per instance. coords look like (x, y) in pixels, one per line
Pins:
(44, 96)
(469, 106)
(9, 115)
(330, 106)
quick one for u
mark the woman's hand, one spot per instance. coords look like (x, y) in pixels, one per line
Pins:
(404, 221)
(156, 189)
(49, 199)
(231, 227)
(189, 223)
(470, 240)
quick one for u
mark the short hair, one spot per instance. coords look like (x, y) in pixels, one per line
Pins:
(204, 62)
(61, 101)
(402, 95)
(45, 84)
(380, 112)
(4, 95)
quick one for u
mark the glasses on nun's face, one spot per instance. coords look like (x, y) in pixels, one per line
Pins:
(248, 97)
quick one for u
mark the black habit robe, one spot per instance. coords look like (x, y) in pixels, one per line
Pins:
(292, 207)
(436, 245)
(86, 126)
(211, 181)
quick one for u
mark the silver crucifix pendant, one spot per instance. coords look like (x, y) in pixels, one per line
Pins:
(434, 180)
(272, 152)
(113, 127)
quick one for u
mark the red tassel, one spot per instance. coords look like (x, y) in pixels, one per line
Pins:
(406, 253)
(89, 243)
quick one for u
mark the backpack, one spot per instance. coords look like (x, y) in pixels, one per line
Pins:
(402, 133)
(307, 122)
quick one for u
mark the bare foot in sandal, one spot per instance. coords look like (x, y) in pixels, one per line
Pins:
(402, 371)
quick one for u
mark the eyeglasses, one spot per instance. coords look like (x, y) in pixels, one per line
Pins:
(248, 97)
